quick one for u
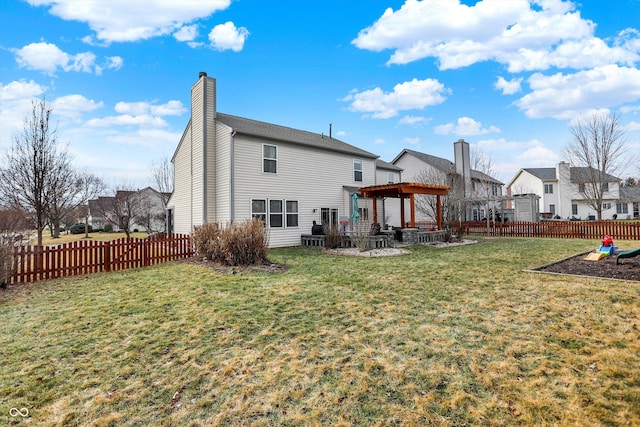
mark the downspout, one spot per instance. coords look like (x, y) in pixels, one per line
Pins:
(232, 198)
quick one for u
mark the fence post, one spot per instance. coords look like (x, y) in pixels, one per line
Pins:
(106, 256)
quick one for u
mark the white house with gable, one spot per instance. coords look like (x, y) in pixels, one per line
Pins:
(229, 169)
(562, 193)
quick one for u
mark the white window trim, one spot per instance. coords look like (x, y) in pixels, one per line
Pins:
(269, 158)
(361, 163)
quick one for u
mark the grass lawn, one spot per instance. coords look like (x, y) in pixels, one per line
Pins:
(456, 336)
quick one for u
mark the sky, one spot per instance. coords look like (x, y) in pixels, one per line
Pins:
(509, 76)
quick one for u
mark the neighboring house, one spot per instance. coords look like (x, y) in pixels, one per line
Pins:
(230, 169)
(476, 188)
(562, 193)
(141, 210)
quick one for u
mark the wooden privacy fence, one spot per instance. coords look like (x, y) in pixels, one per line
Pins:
(32, 263)
(625, 230)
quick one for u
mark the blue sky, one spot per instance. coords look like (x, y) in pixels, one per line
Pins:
(508, 76)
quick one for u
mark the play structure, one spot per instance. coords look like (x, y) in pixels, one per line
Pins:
(606, 249)
(628, 254)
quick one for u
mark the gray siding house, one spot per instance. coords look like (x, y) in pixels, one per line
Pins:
(229, 169)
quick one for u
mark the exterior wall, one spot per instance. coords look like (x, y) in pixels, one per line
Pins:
(315, 178)
(180, 201)
(222, 181)
(382, 176)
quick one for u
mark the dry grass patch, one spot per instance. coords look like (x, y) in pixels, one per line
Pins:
(458, 336)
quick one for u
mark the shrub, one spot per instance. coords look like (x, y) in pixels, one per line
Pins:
(332, 236)
(236, 244)
(108, 228)
(360, 235)
(6, 260)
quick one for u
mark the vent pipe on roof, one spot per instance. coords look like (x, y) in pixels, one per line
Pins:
(202, 74)
(330, 130)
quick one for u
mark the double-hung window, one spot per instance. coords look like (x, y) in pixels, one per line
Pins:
(357, 170)
(622, 208)
(259, 209)
(292, 213)
(390, 177)
(276, 214)
(269, 158)
(548, 189)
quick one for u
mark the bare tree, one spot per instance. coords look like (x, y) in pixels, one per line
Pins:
(121, 209)
(62, 197)
(28, 176)
(451, 205)
(151, 212)
(491, 191)
(163, 179)
(597, 150)
(89, 186)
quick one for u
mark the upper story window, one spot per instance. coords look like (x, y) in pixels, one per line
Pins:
(605, 186)
(357, 170)
(269, 158)
(581, 188)
(391, 178)
(548, 189)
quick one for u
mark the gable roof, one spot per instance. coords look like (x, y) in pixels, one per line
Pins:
(631, 194)
(381, 164)
(437, 162)
(545, 174)
(282, 133)
(575, 173)
(445, 165)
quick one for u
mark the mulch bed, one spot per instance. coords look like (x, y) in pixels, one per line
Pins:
(628, 269)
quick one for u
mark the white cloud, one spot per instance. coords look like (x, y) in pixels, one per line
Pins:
(465, 126)
(413, 120)
(15, 99)
(186, 33)
(563, 96)
(49, 58)
(73, 106)
(412, 95)
(632, 126)
(114, 62)
(508, 87)
(227, 37)
(171, 108)
(521, 35)
(128, 120)
(125, 21)
(412, 140)
(379, 141)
